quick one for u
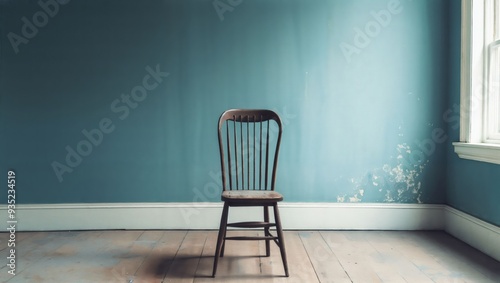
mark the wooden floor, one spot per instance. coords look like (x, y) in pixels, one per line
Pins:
(187, 256)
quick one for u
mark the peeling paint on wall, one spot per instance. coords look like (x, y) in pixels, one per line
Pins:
(397, 181)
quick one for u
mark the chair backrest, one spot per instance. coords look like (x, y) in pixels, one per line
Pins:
(249, 142)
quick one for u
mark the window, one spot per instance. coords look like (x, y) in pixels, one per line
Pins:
(492, 130)
(480, 82)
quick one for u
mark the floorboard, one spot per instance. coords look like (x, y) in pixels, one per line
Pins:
(326, 264)
(156, 265)
(133, 256)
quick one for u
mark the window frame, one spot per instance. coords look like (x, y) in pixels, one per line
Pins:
(474, 83)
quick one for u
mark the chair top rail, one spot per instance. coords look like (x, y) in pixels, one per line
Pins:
(249, 115)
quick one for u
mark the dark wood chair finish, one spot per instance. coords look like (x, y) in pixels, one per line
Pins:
(247, 141)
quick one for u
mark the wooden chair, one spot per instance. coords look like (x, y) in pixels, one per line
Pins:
(247, 140)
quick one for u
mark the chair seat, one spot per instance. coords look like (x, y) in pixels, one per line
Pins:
(251, 196)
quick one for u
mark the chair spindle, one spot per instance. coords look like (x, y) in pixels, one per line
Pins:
(229, 157)
(267, 153)
(235, 152)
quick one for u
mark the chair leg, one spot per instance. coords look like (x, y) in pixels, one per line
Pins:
(223, 242)
(281, 240)
(266, 230)
(220, 238)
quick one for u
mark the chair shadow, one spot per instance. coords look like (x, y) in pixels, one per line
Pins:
(182, 266)
(172, 266)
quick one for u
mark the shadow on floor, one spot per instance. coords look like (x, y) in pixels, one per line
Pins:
(180, 267)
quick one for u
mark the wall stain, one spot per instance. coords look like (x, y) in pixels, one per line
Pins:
(395, 182)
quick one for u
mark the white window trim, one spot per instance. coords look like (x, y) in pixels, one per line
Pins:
(471, 145)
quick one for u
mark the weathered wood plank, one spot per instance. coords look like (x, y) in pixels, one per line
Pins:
(205, 266)
(241, 260)
(132, 258)
(51, 256)
(442, 249)
(185, 264)
(299, 264)
(392, 259)
(158, 262)
(418, 252)
(326, 263)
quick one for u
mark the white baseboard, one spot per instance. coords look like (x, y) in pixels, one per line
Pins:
(477, 233)
(300, 216)
(361, 216)
(294, 216)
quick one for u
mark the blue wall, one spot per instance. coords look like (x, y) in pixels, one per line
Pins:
(361, 86)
